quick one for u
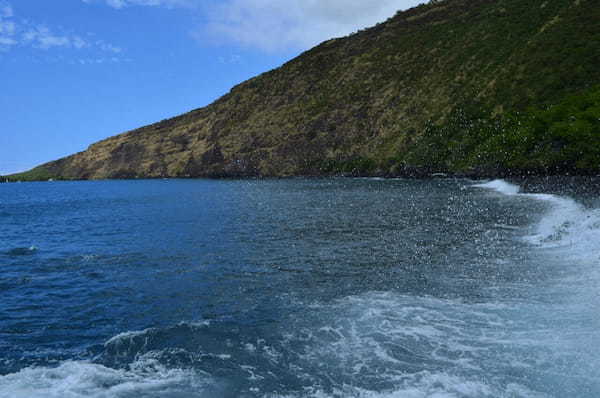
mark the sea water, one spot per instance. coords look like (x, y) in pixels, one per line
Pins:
(300, 288)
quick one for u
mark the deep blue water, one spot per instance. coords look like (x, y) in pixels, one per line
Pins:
(300, 288)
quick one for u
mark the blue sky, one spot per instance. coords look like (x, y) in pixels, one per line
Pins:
(73, 72)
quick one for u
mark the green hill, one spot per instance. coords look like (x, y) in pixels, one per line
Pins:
(463, 86)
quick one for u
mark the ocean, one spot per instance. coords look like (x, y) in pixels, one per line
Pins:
(340, 287)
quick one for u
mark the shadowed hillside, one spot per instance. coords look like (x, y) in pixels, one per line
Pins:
(443, 87)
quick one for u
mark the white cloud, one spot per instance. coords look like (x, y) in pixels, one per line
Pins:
(108, 47)
(7, 41)
(275, 24)
(125, 3)
(6, 10)
(231, 59)
(97, 61)
(42, 37)
(78, 42)
(7, 27)
(28, 34)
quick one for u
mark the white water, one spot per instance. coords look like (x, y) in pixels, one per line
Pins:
(500, 186)
(461, 346)
(79, 379)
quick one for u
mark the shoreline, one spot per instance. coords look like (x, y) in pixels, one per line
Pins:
(408, 173)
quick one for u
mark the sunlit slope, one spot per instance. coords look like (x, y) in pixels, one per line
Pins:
(366, 103)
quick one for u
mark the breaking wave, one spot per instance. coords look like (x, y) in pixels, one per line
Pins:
(500, 186)
(75, 379)
(567, 225)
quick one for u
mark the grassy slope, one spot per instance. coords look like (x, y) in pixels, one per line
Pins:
(372, 102)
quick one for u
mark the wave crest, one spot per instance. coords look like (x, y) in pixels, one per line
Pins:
(75, 379)
(567, 224)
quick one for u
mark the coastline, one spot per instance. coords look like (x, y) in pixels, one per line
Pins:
(404, 172)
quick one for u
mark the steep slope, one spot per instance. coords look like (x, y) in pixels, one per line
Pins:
(365, 103)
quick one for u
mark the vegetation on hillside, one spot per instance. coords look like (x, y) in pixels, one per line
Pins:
(560, 138)
(36, 174)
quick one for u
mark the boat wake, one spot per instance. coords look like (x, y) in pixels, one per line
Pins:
(373, 345)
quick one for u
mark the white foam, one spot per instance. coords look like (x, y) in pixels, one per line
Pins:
(560, 226)
(426, 385)
(420, 346)
(500, 186)
(78, 379)
(127, 336)
(420, 385)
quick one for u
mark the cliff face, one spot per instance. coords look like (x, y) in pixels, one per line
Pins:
(367, 97)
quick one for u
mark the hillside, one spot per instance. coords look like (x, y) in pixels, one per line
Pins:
(467, 86)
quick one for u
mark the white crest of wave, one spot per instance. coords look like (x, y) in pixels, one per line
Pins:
(567, 224)
(125, 336)
(500, 186)
(562, 224)
(78, 379)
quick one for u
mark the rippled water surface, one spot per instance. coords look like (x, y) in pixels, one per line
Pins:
(300, 288)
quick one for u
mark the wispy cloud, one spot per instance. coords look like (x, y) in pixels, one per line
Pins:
(42, 37)
(273, 25)
(230, 59)
(98, 61)
(125, 3)
(6, 10)
(7, 27)
(102, 45)
(29, 34)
